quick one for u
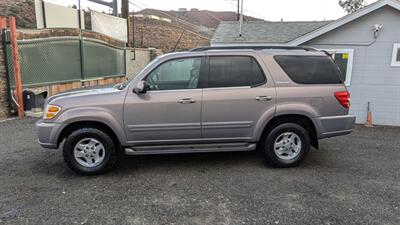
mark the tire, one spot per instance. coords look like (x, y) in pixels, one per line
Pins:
(291, 154)
(105, 160)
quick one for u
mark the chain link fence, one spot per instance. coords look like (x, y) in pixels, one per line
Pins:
(102, 60)
(60, 60)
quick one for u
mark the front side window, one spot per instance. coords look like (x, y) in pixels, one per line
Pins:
(309, 69)
(396, 55)
(234, 71)
(175, 74)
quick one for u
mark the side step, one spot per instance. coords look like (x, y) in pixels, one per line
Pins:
(171, 149)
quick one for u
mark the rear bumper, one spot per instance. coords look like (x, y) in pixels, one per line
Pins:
(48, 133)
(331, 126)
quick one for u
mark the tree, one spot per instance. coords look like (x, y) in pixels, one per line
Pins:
(351, 6)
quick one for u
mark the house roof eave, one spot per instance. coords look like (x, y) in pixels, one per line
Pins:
(344, 20)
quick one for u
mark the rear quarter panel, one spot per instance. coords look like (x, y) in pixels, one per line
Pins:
(312, 100)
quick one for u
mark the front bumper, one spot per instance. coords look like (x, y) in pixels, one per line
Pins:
(48, 133)
(331, 126)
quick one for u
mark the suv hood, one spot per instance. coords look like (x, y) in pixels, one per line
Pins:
(83, 92)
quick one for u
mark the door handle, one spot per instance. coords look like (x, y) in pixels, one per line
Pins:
(264, 98)
(187, 101)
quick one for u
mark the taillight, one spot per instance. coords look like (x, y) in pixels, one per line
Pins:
(344, 98)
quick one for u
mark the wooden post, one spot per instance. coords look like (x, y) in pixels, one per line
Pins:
(3, 23)
(16, 66)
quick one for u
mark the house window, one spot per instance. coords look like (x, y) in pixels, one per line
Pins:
(344, 60)
(396, 55)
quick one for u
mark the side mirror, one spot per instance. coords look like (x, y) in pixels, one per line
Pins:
(140, 87)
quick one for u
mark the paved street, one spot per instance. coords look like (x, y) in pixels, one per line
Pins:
(351, 180)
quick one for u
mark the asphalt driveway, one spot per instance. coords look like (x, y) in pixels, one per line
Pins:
(351, 180)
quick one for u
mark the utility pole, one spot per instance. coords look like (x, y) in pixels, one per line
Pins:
(81, 41)
(238, 10)
(125, 15)
(133, 43)
(125, 9)
(241, 20)
(113, 5)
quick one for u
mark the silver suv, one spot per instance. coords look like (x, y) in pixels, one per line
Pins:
(279, 100)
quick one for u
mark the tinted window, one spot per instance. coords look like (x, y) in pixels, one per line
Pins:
(175, 74)
(342, 60)
(398, 55)
(234, 71)
(310, 69)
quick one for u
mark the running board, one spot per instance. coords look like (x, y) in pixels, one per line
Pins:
(171, 149)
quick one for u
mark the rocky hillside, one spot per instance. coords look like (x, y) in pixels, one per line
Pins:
(205, 18)
(166, 36)
(23, 10)
(187, 28)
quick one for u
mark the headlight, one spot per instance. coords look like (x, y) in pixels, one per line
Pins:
(51, 111)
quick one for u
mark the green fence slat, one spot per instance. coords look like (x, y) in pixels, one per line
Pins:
(9, 65)
(102, 60)
(58, 60)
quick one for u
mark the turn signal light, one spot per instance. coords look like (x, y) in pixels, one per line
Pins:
(51, 111)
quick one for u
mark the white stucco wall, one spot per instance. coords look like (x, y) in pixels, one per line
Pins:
(136, 60)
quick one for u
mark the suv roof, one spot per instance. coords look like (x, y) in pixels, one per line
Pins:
(253, 47)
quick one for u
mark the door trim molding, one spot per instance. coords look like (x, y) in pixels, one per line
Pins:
(227, 125)
(163, 127)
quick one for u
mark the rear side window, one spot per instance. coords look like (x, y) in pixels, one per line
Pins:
(310, 69)
(234, 71)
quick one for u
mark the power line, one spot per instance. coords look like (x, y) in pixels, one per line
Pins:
(159, 11)
(182, 21)
(199, 28)
(213, 16)
(180, 27)
(231, 3)
(247, 11)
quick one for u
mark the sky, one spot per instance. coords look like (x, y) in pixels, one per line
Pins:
(272, 10)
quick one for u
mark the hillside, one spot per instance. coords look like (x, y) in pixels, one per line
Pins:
(166, 36)
(23, 10)
(187, 29)
(205, 18)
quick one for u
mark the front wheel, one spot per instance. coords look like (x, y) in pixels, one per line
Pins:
(89, 151)
(286, 145)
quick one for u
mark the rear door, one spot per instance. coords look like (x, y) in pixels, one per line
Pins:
(316, 77)
(239, 91)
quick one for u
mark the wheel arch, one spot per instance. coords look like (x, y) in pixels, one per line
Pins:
(300, 119)
(88, 123)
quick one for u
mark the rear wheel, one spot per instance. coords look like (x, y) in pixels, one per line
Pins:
(89, 151)
(286, 145)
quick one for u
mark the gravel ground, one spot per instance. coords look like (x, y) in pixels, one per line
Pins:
(353, 179)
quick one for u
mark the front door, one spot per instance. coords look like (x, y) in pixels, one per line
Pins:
(237, 96)
(169, 112)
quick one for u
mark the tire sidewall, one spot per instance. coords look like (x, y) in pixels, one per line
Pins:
(271, 156)
(83, 133)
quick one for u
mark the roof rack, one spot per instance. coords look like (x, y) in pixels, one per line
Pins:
(255, 47)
